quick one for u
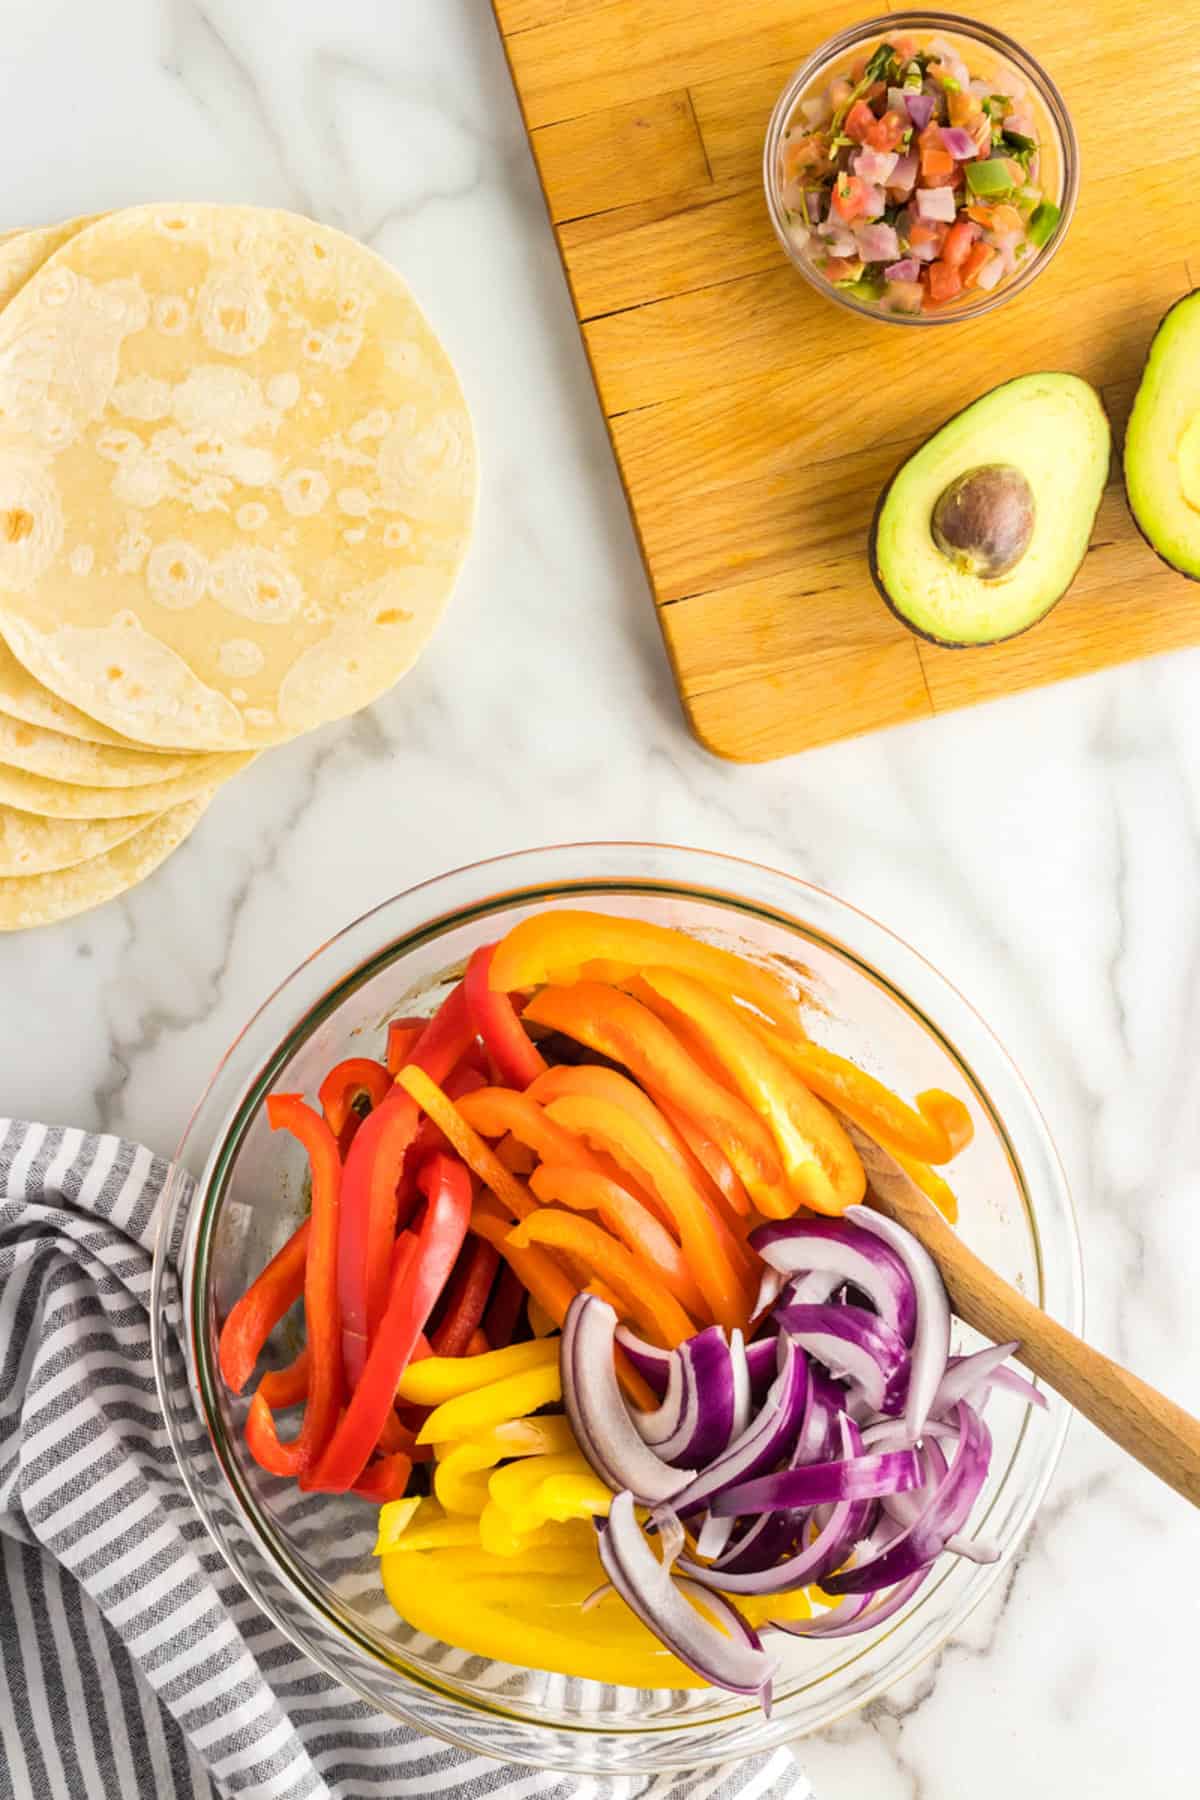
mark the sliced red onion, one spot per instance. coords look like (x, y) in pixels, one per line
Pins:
(714, 1388)
(770, 1285)
(855, 1345)
(1018, 1384)
(862, 1613)
(863, 1477)
(925, 253)
(645, 1585)
(920, 109)
(965, 1374)
(649, 1361)
(931, 1341)
(762, 1363)
(946, 1513)
(959, 142)
(743, 1386)
(756, 1568)
(907, 270)
(599, 1417)
(878, 243)
(714, 1536)
(903, 178)
(937, 203)
(654, 1427)
(837, 1247)
(773, 1535)
(765, 1440)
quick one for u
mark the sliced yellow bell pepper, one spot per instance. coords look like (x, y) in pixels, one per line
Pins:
(933, 1185)
(460, 1480)
(469, 1415)
(576, 1496)
(549, 1434)
(424, 1527)
(535, 1621)
(501, 1536)
(518, 1487)
(438, 1378)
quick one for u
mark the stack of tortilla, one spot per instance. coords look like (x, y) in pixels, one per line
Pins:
(237, 479)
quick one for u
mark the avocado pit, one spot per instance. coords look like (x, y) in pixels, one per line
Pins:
(984, 520)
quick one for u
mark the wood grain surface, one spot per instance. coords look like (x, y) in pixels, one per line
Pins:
(754, 423)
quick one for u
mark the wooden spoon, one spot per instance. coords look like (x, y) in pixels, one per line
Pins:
(1163, 1438)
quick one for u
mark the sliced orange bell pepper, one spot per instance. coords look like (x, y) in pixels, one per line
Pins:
(823, 1166)
(930, 1183)
(643, 1234)
(479, 1157)
(517, 1157)
(935, 1132)
(624, 1138)
(562, 948)
(493, 1111)
(646, 1301)
(710, 1156)
(625, 1031)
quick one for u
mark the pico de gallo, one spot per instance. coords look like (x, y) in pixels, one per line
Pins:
(912, 183)
(596, 1318)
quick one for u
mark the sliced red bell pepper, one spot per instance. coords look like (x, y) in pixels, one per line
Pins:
(385, 1480)
(343, 1092)
(466, 1298)
(286, 1387)
(504, 1309)
(403, 1036)
(412, 1295)
(255, 1316)
(288, 1112)
(370, 1187)
(517, 1058)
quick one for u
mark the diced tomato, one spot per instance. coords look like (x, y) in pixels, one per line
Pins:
(964, 108)
(944, 282)
(927, 231)
(905, 47)
(811, 152)
(978, 257)
(886, 133)
(859, 121)
(841, 268)
(982, 213)
(949, 178)
(958, 243)
(850, 197)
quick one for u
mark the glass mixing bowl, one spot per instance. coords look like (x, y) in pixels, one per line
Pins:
(990, 54)
(307, 1559)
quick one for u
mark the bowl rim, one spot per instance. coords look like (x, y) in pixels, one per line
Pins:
(619, 875)
(994, 39)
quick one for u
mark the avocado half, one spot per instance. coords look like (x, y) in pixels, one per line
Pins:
(1162, 444)
(984, 527)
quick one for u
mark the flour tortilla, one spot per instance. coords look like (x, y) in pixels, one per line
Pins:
(33, 846)
(60, 758)
(21, 697)
(23, 252)
(27, 900)
(64, 800)
(237, 475)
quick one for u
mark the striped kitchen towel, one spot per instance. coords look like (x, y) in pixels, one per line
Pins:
(132, 1662)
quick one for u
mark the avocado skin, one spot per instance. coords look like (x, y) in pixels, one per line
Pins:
(872, 537)
(1142, 533)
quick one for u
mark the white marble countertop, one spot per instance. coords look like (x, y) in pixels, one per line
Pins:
(1044, 851)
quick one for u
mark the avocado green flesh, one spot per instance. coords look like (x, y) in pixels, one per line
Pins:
(1162, 444)
(1055, 431)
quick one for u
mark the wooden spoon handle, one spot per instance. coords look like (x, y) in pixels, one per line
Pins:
(1161, 1435)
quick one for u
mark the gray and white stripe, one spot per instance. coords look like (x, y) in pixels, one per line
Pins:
(131, 1660)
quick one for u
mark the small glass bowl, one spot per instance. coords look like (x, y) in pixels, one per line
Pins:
(1058, 139)
(306, 1559)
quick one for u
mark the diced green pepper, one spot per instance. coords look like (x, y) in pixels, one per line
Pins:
(988, 178)
(1022, 145)
(1043, 223)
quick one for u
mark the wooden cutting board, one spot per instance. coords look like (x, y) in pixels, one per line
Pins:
(754, 423)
